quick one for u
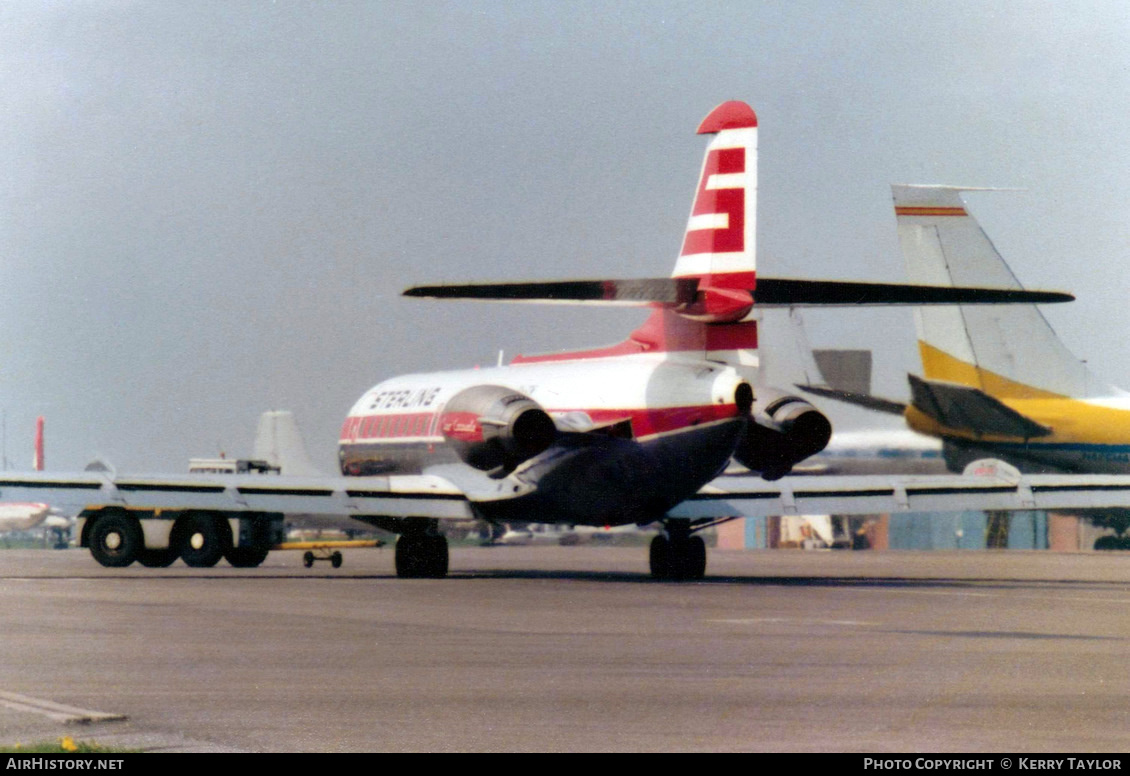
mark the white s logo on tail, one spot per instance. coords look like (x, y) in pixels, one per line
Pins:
(720, 245)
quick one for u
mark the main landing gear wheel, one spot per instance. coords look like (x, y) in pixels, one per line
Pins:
(678, 557)
(116, 540)
(204, 539)
(421, 556)
(659, 557)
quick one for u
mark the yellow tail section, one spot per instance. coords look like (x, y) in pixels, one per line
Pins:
(938, 365)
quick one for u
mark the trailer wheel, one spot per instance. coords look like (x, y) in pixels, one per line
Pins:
(335, 560)
(246, 557)
(158, 559)
(308, 559)
(116, 539)
(204, 539)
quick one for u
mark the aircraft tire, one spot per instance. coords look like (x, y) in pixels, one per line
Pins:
(659, 558)
(681, 558)
(438, 557)
(158, 559)
(335, 560)
(408, 556)
(205, 539)
(694, 558)
(116, 539)
(246, 557)
(420, 556)
(308, 559)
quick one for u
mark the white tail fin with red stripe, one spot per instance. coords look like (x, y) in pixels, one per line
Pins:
(720, 244)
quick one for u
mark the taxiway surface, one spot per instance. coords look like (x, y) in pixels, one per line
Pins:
(577, 649)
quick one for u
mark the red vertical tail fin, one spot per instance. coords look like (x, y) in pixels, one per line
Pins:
(38, 462)
(720, 244)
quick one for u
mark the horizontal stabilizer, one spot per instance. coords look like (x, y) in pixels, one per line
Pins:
(963, 407)
(778, 292)
(865, 400)
(769, 292)
(637, 292)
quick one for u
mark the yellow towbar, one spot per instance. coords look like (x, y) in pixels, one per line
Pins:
(327, 550)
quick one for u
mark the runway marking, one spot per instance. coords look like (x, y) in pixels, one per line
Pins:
(792, 621)
(1007, 635)
(1034, 596)
(56, 711)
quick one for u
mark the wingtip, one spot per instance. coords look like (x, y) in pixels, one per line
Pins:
(733, 114)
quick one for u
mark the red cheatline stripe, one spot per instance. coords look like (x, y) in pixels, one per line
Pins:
(930, 211)
(410, 424)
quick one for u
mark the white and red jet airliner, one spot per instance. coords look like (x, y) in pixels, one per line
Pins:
(622, 434)
(632, 433)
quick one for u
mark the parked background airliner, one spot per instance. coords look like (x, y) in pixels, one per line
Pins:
(996, 383)
(21, 516)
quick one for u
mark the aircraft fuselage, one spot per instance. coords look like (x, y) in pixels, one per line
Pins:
(631, 437)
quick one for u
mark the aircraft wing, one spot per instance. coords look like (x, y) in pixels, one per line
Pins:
(865, 400)
(330, 497)
(432, 496)
(748, 496)
(962, 406)
(951, 404)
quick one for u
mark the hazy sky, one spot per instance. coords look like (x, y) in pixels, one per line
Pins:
(208, 209)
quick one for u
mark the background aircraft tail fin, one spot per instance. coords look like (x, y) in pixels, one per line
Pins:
(1005, 351)
(37, 461)
(279, 442)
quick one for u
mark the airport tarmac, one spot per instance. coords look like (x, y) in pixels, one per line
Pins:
(575, 649)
